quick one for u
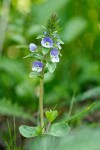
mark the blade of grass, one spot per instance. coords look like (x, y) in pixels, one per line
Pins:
(8, 146)
(9, 131)
(71, 106)
(83, 112)
(14, 134)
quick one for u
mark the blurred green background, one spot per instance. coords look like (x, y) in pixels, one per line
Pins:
(78, 72)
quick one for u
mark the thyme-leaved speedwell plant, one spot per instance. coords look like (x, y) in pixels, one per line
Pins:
(46, 58)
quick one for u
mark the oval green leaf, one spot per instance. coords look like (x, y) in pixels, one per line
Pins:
(28, 131)
(59, 129)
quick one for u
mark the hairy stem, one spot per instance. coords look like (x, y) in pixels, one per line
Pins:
(41, 97)
(41, 103)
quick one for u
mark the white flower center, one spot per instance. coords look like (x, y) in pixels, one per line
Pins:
(47, 43)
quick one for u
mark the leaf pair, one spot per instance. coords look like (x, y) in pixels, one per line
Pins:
(56, 129)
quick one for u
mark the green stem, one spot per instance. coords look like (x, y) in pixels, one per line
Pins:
(41, 97)
(41, 103)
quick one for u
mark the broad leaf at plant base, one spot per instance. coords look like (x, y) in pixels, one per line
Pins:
(28, 131)
(59, 129)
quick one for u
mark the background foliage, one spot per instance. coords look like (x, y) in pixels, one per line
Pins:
(78, 72)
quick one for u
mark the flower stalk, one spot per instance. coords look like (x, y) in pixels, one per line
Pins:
(41, 99)
(41, 103)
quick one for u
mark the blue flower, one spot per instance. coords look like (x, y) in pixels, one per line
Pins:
(32, 47)
(47, 42)
(37, 66)
(54, 55)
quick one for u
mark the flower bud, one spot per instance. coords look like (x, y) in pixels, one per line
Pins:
(32, 47)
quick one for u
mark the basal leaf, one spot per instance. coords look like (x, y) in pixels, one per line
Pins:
(28, 131)
(59, 129)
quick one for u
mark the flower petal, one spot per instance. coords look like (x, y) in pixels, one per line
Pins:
(54, 52)
(37, 66)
